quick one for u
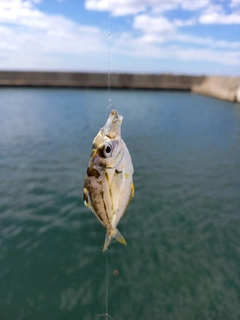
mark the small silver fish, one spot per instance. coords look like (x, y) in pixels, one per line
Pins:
(108, 185)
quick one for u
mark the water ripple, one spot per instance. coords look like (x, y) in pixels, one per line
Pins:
(182, 227)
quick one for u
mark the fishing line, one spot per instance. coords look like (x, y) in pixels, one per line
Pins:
(112, 107)
(109, 55)
(106, 283)
(106, 292)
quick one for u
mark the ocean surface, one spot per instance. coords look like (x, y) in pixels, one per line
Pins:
(182, 259)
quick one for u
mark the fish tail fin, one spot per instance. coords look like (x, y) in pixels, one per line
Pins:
(108, 240)
(113, 235)
(119, 237)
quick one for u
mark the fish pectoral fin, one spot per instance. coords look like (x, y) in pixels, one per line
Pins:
(86, 197)
(115, 234)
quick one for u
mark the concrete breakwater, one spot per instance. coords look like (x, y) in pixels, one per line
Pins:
(99, 80)
(225, 88)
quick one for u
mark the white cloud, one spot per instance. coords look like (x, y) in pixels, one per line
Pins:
(167, 5)
(139, 48)
(172, 35)
(216, 18)
(151, 24)
(117, 7)
(207, 42)
(24, 13)
(209, 11)
(33, 39)
(194, 4)
(235, 3)
(222, 57)
(101, 5)
(182, 23)
(28, 34)
(159, 30)
(215, 14)
(132, 7)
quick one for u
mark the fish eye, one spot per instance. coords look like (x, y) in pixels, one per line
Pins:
(106, 150)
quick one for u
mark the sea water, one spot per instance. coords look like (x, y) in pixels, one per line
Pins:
(182, 259)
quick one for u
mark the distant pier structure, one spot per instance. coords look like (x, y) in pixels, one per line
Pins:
(98, 80)
(225, 88)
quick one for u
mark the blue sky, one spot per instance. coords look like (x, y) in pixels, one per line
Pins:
(169, 36)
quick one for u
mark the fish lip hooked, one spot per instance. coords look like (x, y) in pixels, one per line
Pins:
(112, 128)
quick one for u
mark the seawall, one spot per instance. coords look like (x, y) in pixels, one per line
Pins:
(99, 80)
(225, 88)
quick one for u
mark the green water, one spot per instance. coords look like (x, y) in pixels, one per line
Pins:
(182, 228)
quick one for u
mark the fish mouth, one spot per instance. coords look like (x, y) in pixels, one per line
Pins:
(112, 128)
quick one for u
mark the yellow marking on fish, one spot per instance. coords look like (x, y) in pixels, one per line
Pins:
(126, 175)
(132, 189)
(110, 191)
(105, 207)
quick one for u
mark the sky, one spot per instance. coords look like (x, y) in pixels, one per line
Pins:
(146, 36)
